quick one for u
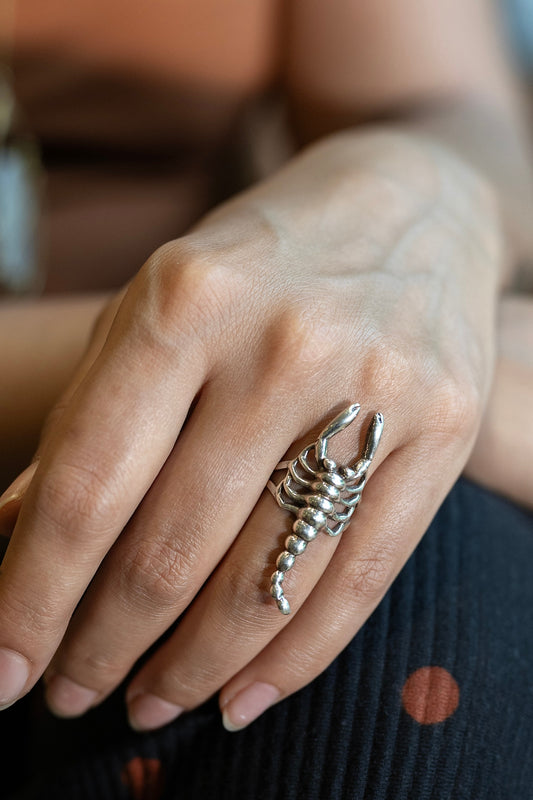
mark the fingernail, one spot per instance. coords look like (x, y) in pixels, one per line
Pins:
(146, 712)
(65, 698)
(16, 491)
(14, 674)
(248, 704)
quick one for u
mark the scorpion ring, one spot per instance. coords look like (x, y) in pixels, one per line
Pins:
(321, 494)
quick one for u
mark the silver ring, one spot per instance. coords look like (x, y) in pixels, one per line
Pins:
(321, 494)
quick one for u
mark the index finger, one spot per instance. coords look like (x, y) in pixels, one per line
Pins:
(103, 455)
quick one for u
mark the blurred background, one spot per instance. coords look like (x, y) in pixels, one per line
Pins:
(136, 110)
(122, 122)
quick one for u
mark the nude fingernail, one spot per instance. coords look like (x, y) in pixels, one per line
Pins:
(65, 698)
(16, 491)
(147, 712)
(14, 674)
(248, 704)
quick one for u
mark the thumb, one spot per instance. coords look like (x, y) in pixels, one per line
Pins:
(11, 500)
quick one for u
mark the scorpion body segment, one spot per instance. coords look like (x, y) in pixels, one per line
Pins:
(322, 495)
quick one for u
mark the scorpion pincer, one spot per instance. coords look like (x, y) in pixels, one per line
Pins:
(321, 494)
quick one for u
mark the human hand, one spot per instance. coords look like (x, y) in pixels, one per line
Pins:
(367, 269)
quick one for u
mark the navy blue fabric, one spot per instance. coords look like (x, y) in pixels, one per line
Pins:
(463, 602)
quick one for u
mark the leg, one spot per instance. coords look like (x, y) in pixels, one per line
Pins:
(366, 729)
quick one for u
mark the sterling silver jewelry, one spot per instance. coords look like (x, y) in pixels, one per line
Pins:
(321, 494)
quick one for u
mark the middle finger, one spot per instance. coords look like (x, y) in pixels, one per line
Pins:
(233, 618)
(183, 528)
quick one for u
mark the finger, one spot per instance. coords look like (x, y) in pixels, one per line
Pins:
(232, 620)
(393, 518)
(94, 471)
(183, 528)
(11, 500)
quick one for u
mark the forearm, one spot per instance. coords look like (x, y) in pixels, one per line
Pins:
(42, 341)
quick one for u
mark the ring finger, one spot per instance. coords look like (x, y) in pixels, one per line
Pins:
(231, 621)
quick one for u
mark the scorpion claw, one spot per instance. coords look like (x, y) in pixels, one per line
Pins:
(331, 484)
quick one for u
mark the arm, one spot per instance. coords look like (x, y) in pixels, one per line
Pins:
(367, 269)
(440, 70)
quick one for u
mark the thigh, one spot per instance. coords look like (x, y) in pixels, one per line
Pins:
(431, 700)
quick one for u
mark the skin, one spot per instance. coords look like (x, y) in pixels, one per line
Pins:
(36, 370)
(367, 269)
(502, 456)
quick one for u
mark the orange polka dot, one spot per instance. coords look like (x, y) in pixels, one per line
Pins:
(430, 694)
(144, 778)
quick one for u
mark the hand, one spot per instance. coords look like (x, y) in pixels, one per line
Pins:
(364, 271)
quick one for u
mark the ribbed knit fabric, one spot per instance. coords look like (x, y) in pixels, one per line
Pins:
(463, 605)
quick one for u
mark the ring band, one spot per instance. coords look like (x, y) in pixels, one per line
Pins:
(321, 494)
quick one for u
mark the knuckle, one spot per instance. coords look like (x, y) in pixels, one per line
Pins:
(71, 497)
(456, 411)
(234, 595)
(388, 370)
(302, 342)
(36, 623)
(157, 575)
(238, 601)
(452, 396)
(188, 288)
(93, 668)
(365, 580)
